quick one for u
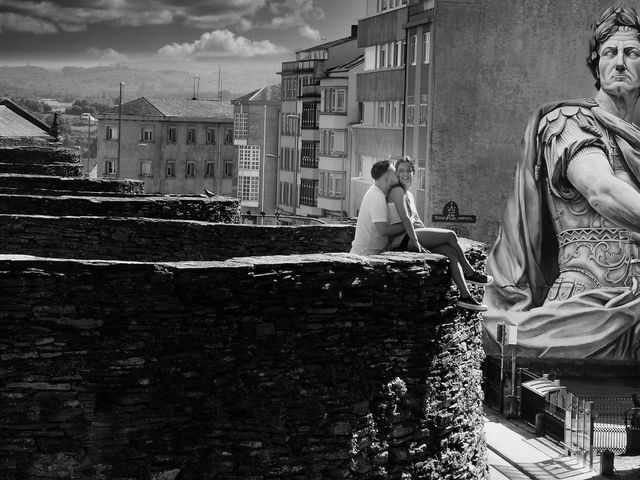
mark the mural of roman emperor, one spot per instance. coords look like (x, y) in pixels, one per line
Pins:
(566, 262)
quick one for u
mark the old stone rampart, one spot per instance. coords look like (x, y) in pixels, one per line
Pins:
(311, 366)
(147, 239)
(116, 363)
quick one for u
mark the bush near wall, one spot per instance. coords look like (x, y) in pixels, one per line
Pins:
(285, 367)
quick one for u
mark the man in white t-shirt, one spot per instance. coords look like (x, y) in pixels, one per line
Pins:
(372, 230)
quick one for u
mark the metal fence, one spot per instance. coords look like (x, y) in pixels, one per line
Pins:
(609, 428)
(566, 416)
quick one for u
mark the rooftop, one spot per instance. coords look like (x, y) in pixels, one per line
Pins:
(178, 107)
(18, 122)
(272, 93)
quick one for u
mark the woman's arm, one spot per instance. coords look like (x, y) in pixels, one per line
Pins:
(397, 196)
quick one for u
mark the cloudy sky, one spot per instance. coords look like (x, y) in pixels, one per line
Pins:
(234, 33)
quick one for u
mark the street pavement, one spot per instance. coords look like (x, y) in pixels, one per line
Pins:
(515, 453)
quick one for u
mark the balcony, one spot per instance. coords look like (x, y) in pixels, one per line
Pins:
(299, 66)
(310, 91)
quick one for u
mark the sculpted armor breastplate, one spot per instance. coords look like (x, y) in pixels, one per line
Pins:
(593, 252)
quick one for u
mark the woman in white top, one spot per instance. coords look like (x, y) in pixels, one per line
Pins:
(417, 237)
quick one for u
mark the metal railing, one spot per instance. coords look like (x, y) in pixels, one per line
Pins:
(609, 428)
(279, 219)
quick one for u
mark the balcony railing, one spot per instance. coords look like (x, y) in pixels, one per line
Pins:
(309, 162)
(298, 65)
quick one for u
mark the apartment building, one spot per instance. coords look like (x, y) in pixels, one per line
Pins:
(300, 136)
(452, 84)
(175, 145)
(255, 134)
(339, 111)
(380, 92)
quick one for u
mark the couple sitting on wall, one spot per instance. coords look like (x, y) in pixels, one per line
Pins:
(388, 220)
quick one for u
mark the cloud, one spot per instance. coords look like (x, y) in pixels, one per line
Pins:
(12, 22)
(78, 15)
(221, 43)
(108, 54)
(308, 32)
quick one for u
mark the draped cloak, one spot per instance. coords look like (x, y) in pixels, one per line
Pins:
(598, 323)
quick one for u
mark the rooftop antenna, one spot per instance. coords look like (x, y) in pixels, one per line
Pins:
(196, 87)
(219, 83)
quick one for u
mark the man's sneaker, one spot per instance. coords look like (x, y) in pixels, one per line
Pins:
(479, 278)
(471, 303)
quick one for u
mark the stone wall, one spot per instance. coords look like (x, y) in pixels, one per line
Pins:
(289, 367)
(34, 183)
(159, 240)
(216, 209)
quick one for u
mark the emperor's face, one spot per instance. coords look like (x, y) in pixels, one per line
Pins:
(619, 64)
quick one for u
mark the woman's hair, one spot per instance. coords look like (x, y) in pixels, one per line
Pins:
(406, 159)
(609, 23)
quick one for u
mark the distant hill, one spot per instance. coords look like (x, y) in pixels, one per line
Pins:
(71, 83)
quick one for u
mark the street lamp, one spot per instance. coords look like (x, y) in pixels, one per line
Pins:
(119, 127)
(295, 170)
(262, 178)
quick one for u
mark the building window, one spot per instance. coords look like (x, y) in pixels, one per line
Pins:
(191, 135)
(309, 154)
(249, 157)
(381, 114)
(210, 169)
(146, 134)
(228, 136)
(111, 133)
(145, 168)
(228, 168)
(248, 189)
(426, 46)
(334, 99)
(308, 192)
(383, 56)
(421, 178)
(286, 158)
(423, 110)
(309, 115)
(328, 141)
(211, 136)
(240, 128)
(370, 58)
(410, 110)
(413, 48)
(286, 193)
(331, 184)
(172, 134)
(171, 169)
(190, 169)
(332, 142)
(110, 167)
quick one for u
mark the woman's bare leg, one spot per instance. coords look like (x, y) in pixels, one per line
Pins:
(457, 273)
(433, 237)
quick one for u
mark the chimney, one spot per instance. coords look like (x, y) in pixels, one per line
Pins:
(354, 30)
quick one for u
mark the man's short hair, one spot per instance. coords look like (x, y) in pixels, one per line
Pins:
(609, 22)
(380, 168)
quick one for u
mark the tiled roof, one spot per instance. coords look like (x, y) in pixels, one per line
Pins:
(272, 93)
(14, 125)
(178, 107)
